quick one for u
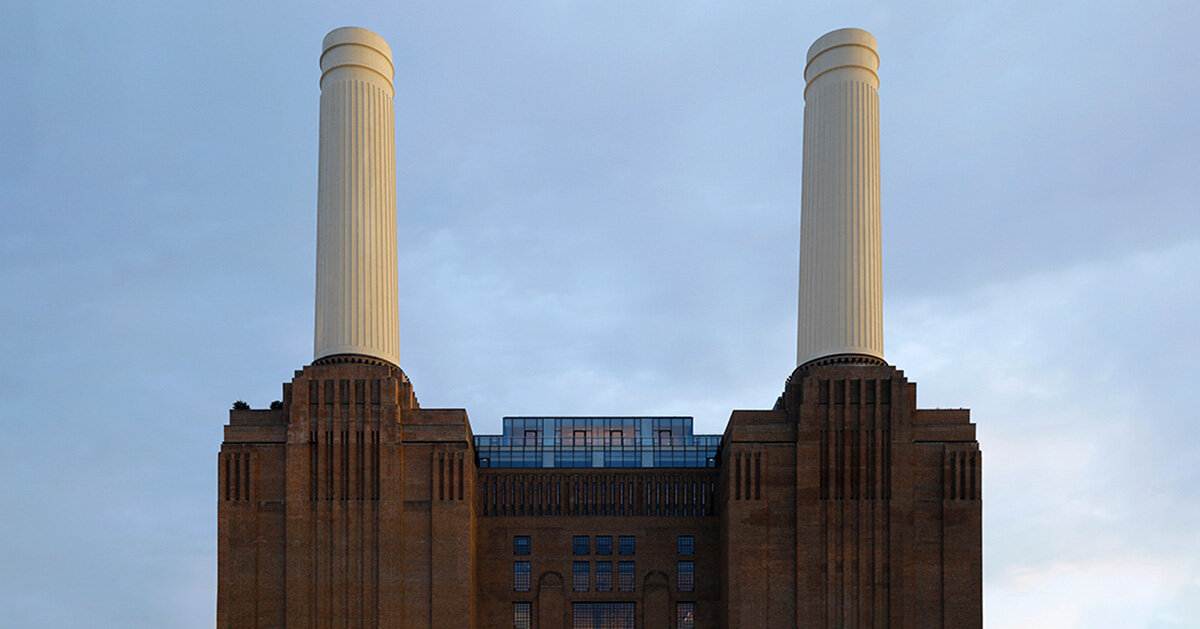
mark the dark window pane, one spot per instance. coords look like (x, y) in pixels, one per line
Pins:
(604, 545)
(603, 576)
(522, 616)
(687, 576)
(625, 576)
(602, 615)
(685, 615)
(626, 545)
(581, 577)
(521, 545)
(687, 545)
(521, 576)
(582, 544)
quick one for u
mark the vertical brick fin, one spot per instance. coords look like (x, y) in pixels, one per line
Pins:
(461, 482)
(375, 464)
(949, 476)
(963, 486)
(439, 474)
(871, 444)
(223, 475)
(250, 475)
(839, 460)
(360, 469)
(976, 469)
(737, 476)
(235, 465)
(854, 462)
(344, 468)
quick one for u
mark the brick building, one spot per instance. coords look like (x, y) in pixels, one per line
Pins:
(843, 505)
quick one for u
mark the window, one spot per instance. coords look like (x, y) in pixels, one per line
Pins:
(687, 576)
(582, 544)
(531, 437)
(520, 544)
(626, 545)
(625, 576)
(522, 615)
(604, 544)
(687, 545)
(582, 577)
(603, 576)
(521, 576)
(685, 615)
(607, 615)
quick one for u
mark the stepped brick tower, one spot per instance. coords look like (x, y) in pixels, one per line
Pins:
(842, 506)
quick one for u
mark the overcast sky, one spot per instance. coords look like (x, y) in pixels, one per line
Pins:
(599, 214)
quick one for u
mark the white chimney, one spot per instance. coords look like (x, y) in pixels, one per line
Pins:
(841, 294)
(357, 305)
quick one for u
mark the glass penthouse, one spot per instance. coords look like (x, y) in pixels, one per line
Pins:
(549, 442)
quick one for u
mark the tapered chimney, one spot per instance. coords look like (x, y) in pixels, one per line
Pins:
(841, 295)
(357, 308)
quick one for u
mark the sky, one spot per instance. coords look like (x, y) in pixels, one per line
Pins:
(599, 214)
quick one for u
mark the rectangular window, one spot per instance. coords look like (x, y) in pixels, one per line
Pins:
(687, 576)
(521, 576)
(603, 576)
(520, 544)
(625, 576)
(606, 615)
(626, 545)
(687, 545)
(685, 615)
(522, 615)
(582, 577)
(582, 544)
(604, 544)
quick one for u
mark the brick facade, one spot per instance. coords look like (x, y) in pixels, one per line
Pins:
(844, 506)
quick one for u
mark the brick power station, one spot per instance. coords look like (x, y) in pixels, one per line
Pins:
(843, 505)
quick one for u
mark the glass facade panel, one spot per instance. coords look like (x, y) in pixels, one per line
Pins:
(687, 576)
(603, 576)
(597, 442)
(604, 544)
(522, 615)
(581, 544)
(521, 576)
(627, 545)
(687, 545)
(581, 576)
(602, 615)
(626, 575)
(685, 615)
(520, 544)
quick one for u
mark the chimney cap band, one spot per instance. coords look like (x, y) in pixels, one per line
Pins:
(351, 46)
(844, 49)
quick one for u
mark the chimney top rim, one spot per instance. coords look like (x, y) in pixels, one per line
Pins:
(843, 37)
(356, 35)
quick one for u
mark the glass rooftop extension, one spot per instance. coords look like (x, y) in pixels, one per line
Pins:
(597, 442)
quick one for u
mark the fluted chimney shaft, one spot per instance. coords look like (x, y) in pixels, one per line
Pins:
(841, 294)
(357, 309)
